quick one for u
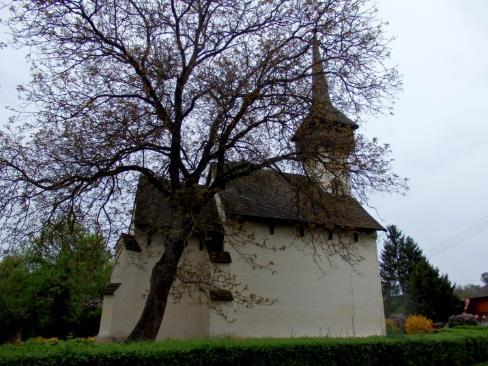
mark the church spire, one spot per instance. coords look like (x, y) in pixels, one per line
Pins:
(325, 138)
(320, 88)
(323, 116)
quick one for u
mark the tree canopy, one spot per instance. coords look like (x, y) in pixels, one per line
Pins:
(162, 88)
(16, 297)
(53, 288)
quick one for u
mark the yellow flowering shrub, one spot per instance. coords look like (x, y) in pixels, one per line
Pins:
(418, 324)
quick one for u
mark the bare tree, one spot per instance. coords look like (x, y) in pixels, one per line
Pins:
(162, 88)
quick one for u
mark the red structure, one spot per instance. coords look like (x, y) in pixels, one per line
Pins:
(478, 304)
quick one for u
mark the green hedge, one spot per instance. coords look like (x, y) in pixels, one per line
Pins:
(449, 347)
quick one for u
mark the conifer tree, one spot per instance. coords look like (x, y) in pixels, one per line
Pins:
(431, 294)
(410, 283)
(399, 256)
(389, 260)
(409, 256)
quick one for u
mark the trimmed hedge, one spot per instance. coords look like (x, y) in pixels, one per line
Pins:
(448, 347)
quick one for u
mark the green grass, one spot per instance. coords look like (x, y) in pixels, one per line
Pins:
(459, 346)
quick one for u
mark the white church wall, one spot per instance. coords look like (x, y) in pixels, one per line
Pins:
(132, 269)
(339, 302)
(122, 310)
(343, 301)
(326, 177)
(188, 317)
(367, 289)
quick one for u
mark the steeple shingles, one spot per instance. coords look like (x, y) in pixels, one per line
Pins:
(320, 89)
(323, 114)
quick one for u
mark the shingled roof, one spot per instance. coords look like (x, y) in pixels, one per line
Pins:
(482, 292)
(153, 211)
(325, 126)
(323, 113)
(265, 195)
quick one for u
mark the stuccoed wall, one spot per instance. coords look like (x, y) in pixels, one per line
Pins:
(187, 319)
(342, 301)
(326, 176)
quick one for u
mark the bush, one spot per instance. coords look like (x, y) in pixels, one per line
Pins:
(418, 324)
(392, 328)
(450, 347)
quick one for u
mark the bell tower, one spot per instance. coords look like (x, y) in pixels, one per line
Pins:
(325, 138)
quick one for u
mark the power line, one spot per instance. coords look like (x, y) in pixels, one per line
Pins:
(458, 238)
(481, 221)
(460, 241)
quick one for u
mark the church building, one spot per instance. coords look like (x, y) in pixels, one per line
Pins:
(315, 242)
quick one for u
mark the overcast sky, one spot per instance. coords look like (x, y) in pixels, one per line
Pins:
(438, 131)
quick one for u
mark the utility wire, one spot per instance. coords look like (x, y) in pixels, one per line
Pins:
(458, 238)
(457, 242)
(461, 233)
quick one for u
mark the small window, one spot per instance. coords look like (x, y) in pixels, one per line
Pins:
(221, 295)
(331, 235)
(356, 237)
(302, 231)
(271, 229)
(220, 257)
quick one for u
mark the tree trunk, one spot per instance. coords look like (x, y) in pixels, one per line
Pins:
(162, 277)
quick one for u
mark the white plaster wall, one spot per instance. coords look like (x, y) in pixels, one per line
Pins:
(368, 299)
(343, 301)
(340, 302)
(120, 312)
(189, 316)
(316, 168)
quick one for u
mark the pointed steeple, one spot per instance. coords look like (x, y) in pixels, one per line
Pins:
(325, 138)
(323, 115)
(322, 106)
(320, 89)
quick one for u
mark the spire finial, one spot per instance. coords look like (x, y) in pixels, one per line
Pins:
(320, 89)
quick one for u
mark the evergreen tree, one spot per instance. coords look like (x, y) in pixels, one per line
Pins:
(389, 262)
(409, 256)
(431, 294)
(399, 256)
